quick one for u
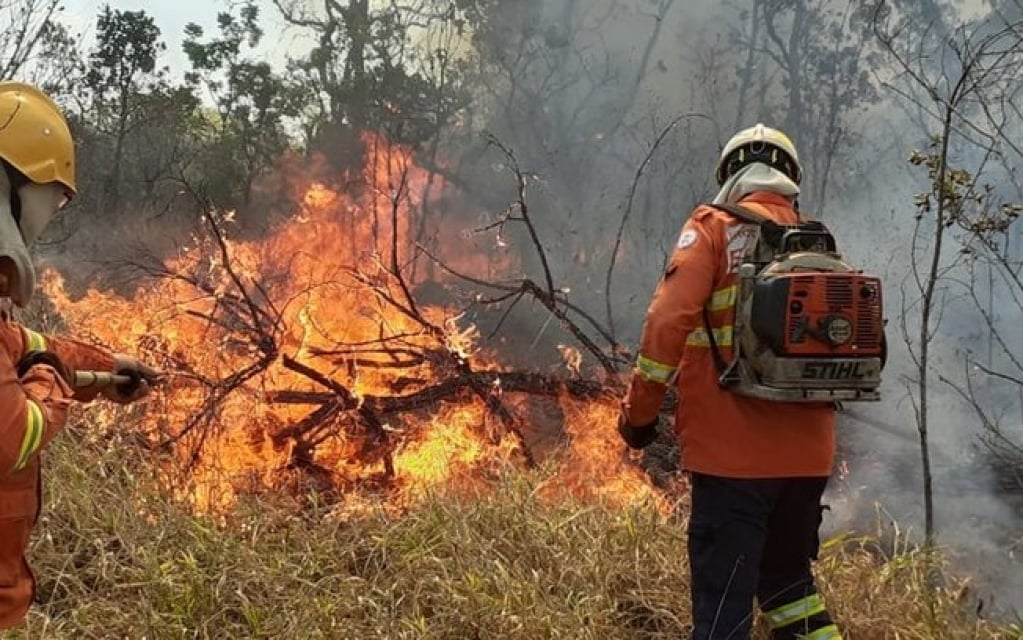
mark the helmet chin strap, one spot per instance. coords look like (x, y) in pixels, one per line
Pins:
(17, 275)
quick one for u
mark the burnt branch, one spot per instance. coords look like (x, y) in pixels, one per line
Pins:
(205, 417)
(266, 342)
(396, 197)
(343, 400)
(332, 405)
(550, 301)
(507, 381)
(522, 208)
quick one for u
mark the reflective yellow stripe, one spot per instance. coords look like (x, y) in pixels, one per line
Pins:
(35, 341)
(698, 338)
(654, 371)
(793, 612)
(34, 426)
(723, 298)
(829, 632)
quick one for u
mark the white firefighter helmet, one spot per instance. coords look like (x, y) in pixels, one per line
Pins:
(37, 177)
(759, 143)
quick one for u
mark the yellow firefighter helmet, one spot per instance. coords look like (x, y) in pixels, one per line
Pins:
(34, 136)
(759, 143)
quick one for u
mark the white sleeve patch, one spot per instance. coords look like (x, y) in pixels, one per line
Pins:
(687, 239)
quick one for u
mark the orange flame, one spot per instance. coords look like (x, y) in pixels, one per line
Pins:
(324, 284)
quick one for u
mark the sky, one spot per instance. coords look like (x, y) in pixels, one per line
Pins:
(171, 16)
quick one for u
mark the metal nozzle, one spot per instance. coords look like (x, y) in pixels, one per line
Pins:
(100, 379)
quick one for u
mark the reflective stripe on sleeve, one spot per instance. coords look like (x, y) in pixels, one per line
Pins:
(698, 338)
(35, 424)
(723, 298)
(793, 612)
(653, 371)
(34, 341)
(829, 632)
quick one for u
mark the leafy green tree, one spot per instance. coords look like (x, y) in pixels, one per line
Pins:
(64, 68)
(367, 73)
(122, 69)
(256, 107)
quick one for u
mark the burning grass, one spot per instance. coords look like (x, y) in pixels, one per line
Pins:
(119, 557)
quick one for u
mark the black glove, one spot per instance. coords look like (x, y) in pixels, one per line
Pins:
(33, 358)
(637, 437)
(141, 379)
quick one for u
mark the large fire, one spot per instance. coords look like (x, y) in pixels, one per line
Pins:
(239, 325)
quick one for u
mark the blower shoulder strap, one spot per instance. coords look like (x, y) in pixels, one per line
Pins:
(772, 233)
(742, 213)
(769, 229)
(752, 217)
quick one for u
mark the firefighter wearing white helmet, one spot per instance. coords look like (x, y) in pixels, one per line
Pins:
(37, 371)
(757, 468)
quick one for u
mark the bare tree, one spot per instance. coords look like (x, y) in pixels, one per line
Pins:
(818, 52)
(24, 27)
(956, 80)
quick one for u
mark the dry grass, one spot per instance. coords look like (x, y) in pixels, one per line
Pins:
(116, 558)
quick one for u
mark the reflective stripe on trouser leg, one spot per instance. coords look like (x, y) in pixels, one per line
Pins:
(794, 612)
(829, 632)
(806, 618)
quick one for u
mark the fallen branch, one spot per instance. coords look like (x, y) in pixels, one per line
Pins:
(504, 381)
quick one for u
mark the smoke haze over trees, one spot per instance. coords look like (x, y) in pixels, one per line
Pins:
(614, 111)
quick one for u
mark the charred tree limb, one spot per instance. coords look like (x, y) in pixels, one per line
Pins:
(523, 210)
(450, 356)
(506, 381)
(487, 385)
(551, 302)
(343, 400)
(348, 399)
(256, 313)
(395, 201)
(497, 381)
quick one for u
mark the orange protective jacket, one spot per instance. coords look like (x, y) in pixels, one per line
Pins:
(34, 410)
(721, 433)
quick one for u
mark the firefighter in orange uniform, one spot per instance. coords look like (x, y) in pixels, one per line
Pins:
(36, 371)
(757, 468)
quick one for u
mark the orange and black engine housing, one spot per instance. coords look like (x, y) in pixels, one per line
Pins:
(819, 314)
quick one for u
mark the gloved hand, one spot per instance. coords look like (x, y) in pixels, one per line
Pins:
(32, 358)
(142, 378)
(637, 437)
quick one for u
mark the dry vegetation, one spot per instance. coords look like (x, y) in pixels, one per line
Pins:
(117, 558)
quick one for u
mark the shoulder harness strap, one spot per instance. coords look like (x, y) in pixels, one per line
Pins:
(772, 232)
